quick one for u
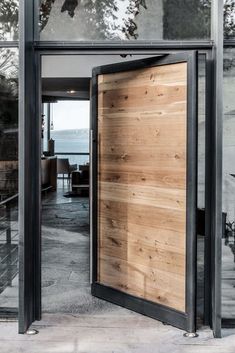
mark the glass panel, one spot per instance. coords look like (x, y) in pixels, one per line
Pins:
(92, 20)
(228, 240)
(8, 179)
(201, 185)
(9, 10)
(229, 19)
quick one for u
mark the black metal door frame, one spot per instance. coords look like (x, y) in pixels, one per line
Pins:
(29, 175)
(35, 53)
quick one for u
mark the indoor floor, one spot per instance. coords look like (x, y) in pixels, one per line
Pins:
(65, 255)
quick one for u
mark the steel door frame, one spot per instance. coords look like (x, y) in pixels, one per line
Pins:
(42, 49)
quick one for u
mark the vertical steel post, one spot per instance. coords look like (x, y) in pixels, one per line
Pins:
(216, 164)
(29, 173)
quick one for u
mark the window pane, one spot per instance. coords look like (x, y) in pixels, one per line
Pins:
(8, 179)
(228, 240)
(229, 19)
(124, 20)
(9, 19)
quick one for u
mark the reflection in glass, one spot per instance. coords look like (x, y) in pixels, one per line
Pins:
(124, 19)
(229, 19)
(228, 239)
(9, 11)
(8, 178)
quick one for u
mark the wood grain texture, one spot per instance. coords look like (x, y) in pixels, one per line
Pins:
(142, 124)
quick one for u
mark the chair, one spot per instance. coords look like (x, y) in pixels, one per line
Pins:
(63, 167)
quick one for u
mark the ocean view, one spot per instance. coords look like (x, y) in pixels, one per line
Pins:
(75, 141)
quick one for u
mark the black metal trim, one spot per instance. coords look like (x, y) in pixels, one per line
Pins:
(123, 45)
(208, 191)
(9, 44)
(72, 153)
(229, 43)
(29, 174)
(8, 313)
(191, 59)
(36, 132)
(93, 205)
(217, 166)
(228, 323)
(191, 204)
(145, 307)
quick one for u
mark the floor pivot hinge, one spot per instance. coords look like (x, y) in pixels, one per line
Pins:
(190, 334)
(32, 332)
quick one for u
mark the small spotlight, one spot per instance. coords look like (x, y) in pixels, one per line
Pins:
(71, 91)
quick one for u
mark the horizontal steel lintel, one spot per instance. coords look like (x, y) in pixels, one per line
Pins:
(9, 44)
(62, 45)
(123, 45)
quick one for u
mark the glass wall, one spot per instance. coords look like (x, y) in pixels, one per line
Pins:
(228, 240)
(9, 19)
(94, 20)
(8, 179)
(229, 17)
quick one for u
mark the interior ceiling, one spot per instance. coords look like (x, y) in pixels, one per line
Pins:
(65, 88)
(64, 73)
(79, 65)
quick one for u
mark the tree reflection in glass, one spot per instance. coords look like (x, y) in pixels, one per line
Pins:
(124, 19)
(9, 11)
(8, 123)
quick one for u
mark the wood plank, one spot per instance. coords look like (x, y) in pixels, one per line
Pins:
(144, 195)
(147, 77)
(138, 280)
(166, 178)
(118, 233)
(142, 138)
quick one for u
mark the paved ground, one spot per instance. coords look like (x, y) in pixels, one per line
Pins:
(123, 333)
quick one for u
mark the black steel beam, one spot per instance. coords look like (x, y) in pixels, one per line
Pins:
(29, 174)
(216, 165)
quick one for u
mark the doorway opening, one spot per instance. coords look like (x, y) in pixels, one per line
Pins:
(65, 190)
(66, 95)
(65, 203)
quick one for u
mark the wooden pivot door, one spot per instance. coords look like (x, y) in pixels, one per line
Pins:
(144, 187)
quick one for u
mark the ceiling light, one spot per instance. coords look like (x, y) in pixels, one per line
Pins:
(71, 91)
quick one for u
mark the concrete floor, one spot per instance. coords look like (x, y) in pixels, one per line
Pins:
(126, 332)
